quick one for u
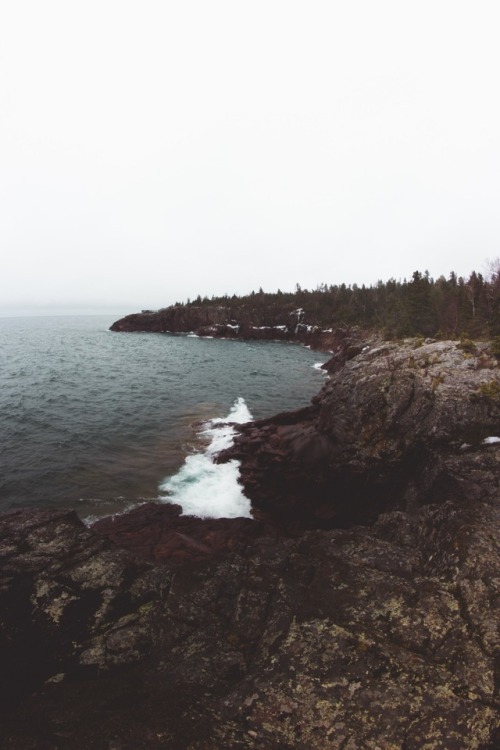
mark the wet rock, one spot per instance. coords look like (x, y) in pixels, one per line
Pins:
(158, 532)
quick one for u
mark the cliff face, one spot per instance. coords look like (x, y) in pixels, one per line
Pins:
(222, 322)
(359, 611)
(175, 319)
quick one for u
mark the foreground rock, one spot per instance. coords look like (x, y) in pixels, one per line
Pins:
(160, 631)
(368, 637)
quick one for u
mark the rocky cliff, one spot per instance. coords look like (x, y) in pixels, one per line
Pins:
(385, 432)
(360, 610)
(219, 321)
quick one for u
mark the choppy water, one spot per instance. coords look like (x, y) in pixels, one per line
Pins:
(96, 420)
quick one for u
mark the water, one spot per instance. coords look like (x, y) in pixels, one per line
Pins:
(204, 488)
(96, 421)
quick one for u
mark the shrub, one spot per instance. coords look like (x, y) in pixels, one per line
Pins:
(467, 346)
(495, 347)
(491, 389)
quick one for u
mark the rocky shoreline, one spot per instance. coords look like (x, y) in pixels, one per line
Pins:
(219, 322)
(359, 610)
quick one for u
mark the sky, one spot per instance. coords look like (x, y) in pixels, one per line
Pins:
(152, 151)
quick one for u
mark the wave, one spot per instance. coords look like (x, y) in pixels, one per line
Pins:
(206, 489)
(319, 366)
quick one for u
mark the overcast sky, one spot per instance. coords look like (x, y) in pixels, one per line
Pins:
(151, 151)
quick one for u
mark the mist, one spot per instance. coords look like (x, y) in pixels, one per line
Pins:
(153, 152)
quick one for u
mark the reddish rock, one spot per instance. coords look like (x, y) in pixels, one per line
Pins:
(159, 533)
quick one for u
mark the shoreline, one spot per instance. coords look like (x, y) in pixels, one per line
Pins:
(364, 587)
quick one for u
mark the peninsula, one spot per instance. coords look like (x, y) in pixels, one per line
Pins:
(447, 308)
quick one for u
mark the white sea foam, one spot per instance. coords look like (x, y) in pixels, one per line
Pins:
(206, 489)
(113, 507)
(270, 328)
(319, 366)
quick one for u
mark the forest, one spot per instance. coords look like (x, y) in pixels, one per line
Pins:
(450, 307)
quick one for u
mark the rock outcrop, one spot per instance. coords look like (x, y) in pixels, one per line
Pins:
(379, 436)
(175, 319)
(217, 321)
(360, 613)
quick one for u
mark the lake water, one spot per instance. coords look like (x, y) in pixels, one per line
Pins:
(98, 421)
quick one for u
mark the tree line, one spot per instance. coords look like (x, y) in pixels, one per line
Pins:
(450, 307)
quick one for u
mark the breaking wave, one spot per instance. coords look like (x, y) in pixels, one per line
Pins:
(206, 489)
